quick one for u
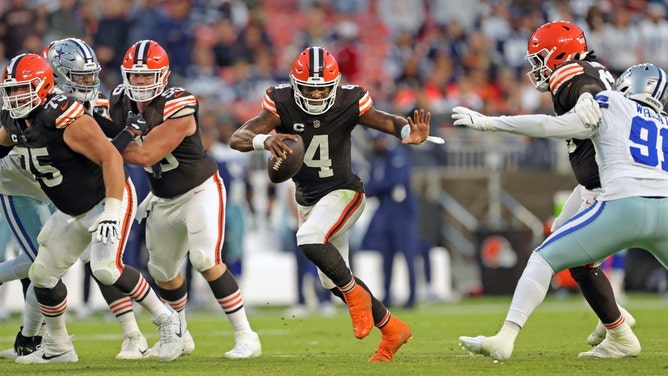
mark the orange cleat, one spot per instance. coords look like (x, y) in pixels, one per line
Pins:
(359, 305)
(394, 334)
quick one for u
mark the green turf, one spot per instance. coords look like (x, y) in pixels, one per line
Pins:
(548, 345)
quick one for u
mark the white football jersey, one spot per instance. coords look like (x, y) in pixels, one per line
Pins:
(631, 143)
(17, 181)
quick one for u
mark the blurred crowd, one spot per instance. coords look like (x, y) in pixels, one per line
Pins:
(434, 54)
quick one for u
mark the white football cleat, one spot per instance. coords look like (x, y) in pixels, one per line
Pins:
(170, 328)
(8, 354)
(188, 346)
(133, 347)
(247, 345)
(618, 344)
(599, 332)
(493, 347)
(51, 352)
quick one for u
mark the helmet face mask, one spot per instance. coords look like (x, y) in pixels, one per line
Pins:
(315, 71)
(26, 82)
(550, 46)
(147, 59)
(75, 68)
(646, 84)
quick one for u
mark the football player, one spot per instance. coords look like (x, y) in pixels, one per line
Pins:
(186, 207)
(82, 173)
(330, 196)
(626, 127)
(76, 72)
(26, 209)
(562, 65)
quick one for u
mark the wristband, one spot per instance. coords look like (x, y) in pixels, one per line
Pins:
(405, 131)
(122, 140)
(258, 141)
(112, 205)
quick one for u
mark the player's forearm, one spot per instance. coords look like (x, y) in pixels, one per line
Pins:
(565, 126)
(113, 174)
(242, 140)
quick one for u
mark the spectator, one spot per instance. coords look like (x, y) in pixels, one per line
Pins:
(621, 42)
(393, 227)
(654, 35)
(17, 23)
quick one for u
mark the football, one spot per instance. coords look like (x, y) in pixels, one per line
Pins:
(280, 170)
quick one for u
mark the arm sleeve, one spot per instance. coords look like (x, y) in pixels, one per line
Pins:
(545, 126)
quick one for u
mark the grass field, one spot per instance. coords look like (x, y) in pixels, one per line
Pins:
(548, 345)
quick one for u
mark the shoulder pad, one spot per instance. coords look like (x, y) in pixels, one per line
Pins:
(61, 110)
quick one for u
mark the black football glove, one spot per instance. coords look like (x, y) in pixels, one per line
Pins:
(136, 124)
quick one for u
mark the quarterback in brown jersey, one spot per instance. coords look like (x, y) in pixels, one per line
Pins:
(330, 196)
(186, 207)
(82, 173)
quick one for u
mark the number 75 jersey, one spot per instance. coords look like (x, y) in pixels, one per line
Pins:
(327, 139)
(72, 182)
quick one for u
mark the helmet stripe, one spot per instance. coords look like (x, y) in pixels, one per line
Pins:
(141, 52)
(85, 50)
(660, 89)
(11, 68)
(316, 61)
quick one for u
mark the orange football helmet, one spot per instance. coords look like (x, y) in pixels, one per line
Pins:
(550, 46)
(315, 68)
(26, 82)
(145, 57)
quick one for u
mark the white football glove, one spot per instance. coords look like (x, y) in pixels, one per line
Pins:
(105, 229)
(469, 118)
(588, 110)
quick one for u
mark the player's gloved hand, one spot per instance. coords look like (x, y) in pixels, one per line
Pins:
(469, 118)
(136, 124)
(105, 229)
(588, 110)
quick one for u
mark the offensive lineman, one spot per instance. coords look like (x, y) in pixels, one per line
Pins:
(185, 209)
(70, 157)
(630, 211)
(562, 65)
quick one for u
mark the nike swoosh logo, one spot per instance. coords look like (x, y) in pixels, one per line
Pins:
(46, 357)
(199, 191)
(143, 352)
(63, 107)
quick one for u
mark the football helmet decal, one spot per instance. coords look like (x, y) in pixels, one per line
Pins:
(26, 82)
(645, 83)
(75, 68)
(145, 57)
(550, 46)
(313, 69)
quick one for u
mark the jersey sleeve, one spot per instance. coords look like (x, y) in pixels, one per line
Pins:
(564, 127)
(365, 103)
(268, 102)
(67, 109)
(179, 103)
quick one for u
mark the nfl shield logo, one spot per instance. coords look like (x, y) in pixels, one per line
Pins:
(316, 123)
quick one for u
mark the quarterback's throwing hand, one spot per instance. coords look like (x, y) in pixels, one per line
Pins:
(469, 118)
(588, 110)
